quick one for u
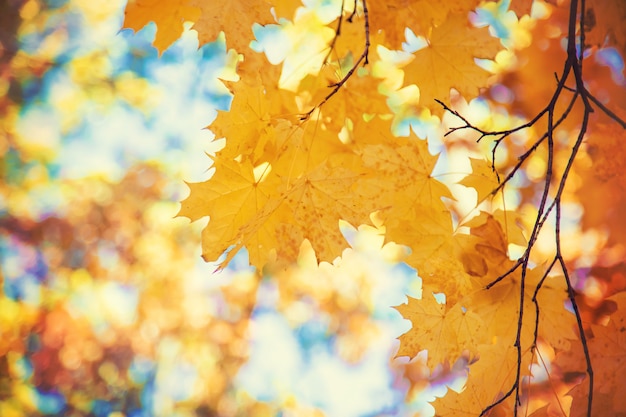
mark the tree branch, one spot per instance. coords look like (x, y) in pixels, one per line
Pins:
(551, 191)
(364, 58)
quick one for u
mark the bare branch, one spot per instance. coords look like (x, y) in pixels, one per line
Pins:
(551, 189)
(364, 58)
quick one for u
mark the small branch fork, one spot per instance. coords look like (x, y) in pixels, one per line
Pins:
(362, 59)
(573, 66)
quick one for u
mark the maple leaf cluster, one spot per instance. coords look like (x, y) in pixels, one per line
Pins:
(292, 168)
(309, 142)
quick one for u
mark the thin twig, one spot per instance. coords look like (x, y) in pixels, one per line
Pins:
(331, 47)
(605, 109)
(364, 58)
(548, 205)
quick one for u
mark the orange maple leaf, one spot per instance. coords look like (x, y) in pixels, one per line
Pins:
(607, 347)
(404, 164)
(521, 7)
(604, 21)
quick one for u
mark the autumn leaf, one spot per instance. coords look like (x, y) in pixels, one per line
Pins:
(449, 275)
(258, 109)
(301, 183)
(235, 18)
(445, 331)
(323, 197)
(169, 17)
(260, 209)
(482, 178)
(497, 364)
(511, 224)
(413, 210)
(521, 7)
(286, 8)
(604, 23)
(447, 61)
(607, 347)
(359, 99)
(406, 164)
(393, 17)
(485, 253)
(493, 243)
(499, 307)
(233, 197)
(494, 312)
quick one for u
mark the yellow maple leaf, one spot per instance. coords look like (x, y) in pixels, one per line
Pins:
(445, 272)
(309, 181)
(169, 17)
(489, 378)
(412, 211)
(273, 215)
(556, 323)
(444, 331)
(405, 164)
(233, 197)
(511, 222)
(257, 110)
(394, 16)
(499, 307)
(357, 99)
(320, 199)
(492, 244)
(234, 17)
(286, 8)
(485, 250)
(428, 233)
(482, 178)
(448, 61)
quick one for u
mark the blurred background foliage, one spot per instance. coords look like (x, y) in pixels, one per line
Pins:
(106, 308)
